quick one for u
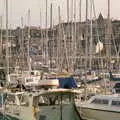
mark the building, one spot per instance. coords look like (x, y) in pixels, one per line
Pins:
(68, 45)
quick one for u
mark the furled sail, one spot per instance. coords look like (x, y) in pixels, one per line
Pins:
(99, 47)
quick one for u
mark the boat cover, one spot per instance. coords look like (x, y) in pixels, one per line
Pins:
(67, 82)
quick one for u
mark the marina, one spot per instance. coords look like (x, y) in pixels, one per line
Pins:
(64, 67)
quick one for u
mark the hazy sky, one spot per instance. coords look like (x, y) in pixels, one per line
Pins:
(19, 8)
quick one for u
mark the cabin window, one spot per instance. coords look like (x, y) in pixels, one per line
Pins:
(23, 100)
(10, 99)
(66, 99)
(116, 103)
(100, 101)
(53, 100)
(2, 98)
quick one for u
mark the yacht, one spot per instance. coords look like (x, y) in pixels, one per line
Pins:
(101, 107)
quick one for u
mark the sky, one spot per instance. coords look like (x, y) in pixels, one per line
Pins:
(19, 8)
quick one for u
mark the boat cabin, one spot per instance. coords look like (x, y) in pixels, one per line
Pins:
(18, 98)
(107, 100)
(52, 104)
(56, 104)
(101, 107)
(18, 105)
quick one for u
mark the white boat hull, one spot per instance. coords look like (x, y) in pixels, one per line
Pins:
(97, 114)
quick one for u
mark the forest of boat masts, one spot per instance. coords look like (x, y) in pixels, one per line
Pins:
(91, 44)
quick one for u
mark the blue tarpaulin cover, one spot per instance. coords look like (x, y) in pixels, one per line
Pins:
(67, 82)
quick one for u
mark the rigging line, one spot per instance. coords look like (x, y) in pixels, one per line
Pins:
(94, 11)
(113, 39)
(62, 48)
(1, 35)
(91, 36)
(119, 50)
(41, 32)
(65, 55)
(47, 39)
(74, 40)
(117, 36)
(110, 25)
(59, 44)
(98, 36)
(80, 31)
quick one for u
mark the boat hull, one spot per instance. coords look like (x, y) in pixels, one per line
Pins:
(97, 114)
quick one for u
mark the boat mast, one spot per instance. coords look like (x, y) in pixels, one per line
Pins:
(67, 59)
(1, 36)
(66, 54)
(51, 15)
(51, 24)
(71, 11)
(61, 108)
(80, 10)
(108, 39)
(72, 32)
(86, 36)
(7, 49)
(46, 42)
(29, 59)
(86, 48)
(22, 43)
(108, 9)
(91, 37)
(59, 41)
(41, 32)
(68, 11)
(74, 37)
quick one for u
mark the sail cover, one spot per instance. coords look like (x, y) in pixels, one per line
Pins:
(67, 82)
